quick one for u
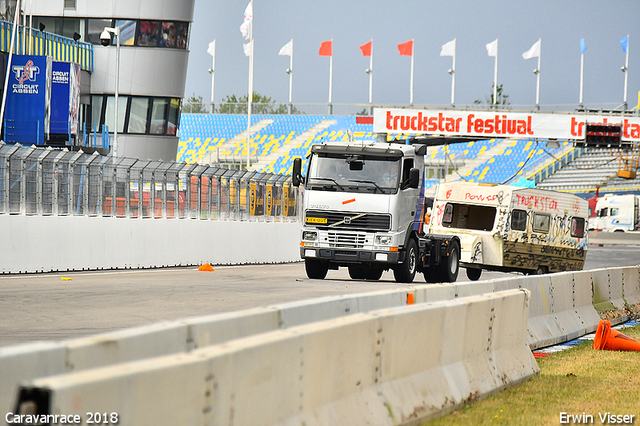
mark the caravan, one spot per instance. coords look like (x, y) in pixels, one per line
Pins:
(508, 228)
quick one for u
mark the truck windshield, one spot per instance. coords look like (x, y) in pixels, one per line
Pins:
(362, 174)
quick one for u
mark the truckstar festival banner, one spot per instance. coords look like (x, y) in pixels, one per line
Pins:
(496, 123)
(65, 98)
(28, 95)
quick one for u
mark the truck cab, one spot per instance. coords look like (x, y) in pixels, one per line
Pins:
(363, 208)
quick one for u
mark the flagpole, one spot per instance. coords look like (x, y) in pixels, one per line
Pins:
(453, 75)
(626, 75)
(581, 78)
(291, 79)
(331, 79)
(14, 32)
(371, 76)
(250, 97)
(538, 76)
(495, 76)
(212, 71)
(411, 79)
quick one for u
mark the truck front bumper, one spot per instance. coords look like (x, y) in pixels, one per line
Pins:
(348, 256)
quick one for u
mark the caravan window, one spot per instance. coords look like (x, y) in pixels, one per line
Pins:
(614, 211)
(466, 216)
(577, 227)
(541, 222)
(519, 220)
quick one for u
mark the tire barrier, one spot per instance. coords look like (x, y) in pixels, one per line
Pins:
(358, 369)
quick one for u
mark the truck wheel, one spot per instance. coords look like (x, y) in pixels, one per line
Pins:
(431, 275)
(372, 273)
(316, 269)
(450, 266)
(474, 273)
(406, 271)
(356, 272)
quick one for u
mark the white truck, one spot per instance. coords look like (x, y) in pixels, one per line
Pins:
(509, 228)
(364, 207)
(617, 213)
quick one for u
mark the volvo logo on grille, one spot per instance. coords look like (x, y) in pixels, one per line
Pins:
(347, 220)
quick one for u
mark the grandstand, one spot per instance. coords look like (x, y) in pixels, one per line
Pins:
(277, 139)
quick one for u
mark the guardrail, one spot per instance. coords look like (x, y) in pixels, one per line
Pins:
(39, 181)
(220, 353)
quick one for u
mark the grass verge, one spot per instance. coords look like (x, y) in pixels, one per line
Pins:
(576, 381)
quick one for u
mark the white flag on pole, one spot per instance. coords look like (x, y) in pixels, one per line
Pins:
(492, 48)
(211, 50)
(534, 52)
(287, 49)
(247, 49)
(449, 48)
(245, 28)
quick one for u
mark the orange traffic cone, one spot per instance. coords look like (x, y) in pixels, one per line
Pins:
(612, 340)
(206, 267)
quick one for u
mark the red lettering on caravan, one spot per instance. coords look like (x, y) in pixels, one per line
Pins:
(480, 197)
(540, 203)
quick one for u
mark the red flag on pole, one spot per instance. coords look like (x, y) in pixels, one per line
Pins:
(326, 48)
(366, 48)
(406, 48)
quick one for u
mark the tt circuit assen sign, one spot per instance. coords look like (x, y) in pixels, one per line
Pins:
(496, 124)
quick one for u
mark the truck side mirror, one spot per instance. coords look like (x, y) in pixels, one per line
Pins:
(296, 176)
(414, 178)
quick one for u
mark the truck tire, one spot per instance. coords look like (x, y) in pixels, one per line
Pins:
(406, 271)
(431, 275)
(316, 269)
(450, 265)
(372, 274)
(474, 273)
(356, 272)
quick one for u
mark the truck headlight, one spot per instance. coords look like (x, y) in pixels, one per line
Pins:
(309, 235)
(383, 240)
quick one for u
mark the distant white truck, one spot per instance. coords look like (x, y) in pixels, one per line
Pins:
(617, 213)
(509, 228)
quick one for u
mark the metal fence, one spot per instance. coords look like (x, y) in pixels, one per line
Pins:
(39, 181)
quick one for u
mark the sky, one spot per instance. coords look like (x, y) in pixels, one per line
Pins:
(350, 23)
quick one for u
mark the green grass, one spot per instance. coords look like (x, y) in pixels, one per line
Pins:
(575, 381)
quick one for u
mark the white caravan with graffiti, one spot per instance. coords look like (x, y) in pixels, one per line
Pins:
(509, 228)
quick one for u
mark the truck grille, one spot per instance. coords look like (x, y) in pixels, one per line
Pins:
(339, 239)
(348, 220)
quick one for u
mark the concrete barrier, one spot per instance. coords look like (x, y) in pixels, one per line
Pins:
(561, 308)
(42, 243)
(607, 294)
(631, 288)
(388, 367)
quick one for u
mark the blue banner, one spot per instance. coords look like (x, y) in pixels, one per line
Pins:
(26, 116)
(65, 98)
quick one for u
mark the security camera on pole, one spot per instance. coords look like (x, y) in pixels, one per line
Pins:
(105, 39)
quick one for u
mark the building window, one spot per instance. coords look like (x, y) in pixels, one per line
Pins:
(127, 32)
(158, 114)
(110, 112)
(138, 115)
(95, 28)
(174, 114)
(149, 34)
